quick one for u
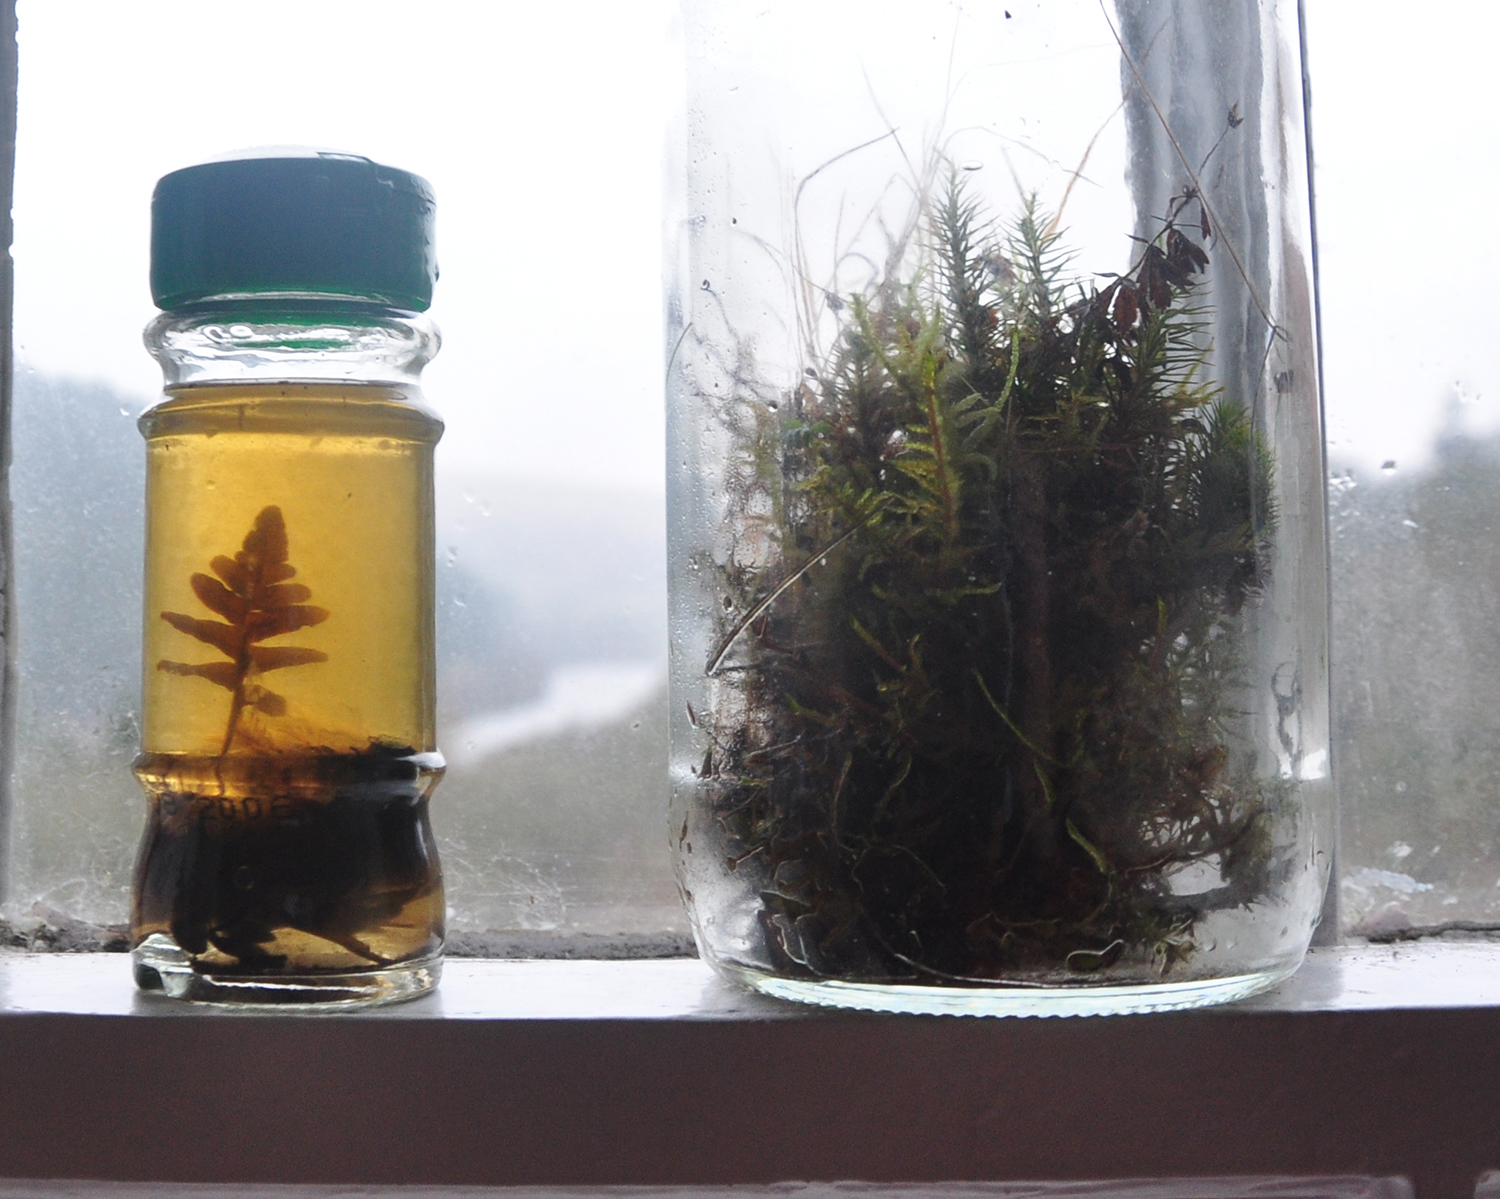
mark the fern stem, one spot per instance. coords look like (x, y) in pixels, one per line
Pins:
(236, 706)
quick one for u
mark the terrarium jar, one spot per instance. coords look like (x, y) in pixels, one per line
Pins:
(288, 744)
(997, 543)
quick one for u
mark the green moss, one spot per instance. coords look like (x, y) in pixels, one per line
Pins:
(985, 710)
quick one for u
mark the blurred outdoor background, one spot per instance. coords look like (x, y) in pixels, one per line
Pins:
(540, 127)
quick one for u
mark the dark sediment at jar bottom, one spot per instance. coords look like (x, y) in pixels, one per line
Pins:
(272, 870)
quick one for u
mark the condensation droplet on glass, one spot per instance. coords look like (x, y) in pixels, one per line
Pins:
(1411, 524)
(973, 164)
(458, 603)
(1389, 465)
(468, 497)
(452, 555)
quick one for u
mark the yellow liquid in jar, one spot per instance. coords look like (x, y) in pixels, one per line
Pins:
(350, 470)
(288, 674)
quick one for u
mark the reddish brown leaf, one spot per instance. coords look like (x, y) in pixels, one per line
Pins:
(222, 673)
(216, 597)
(238, 578)
(282, 594)
(1126, 309)
(223, 637)
(272, 622)
(1183, 258)
(265, 543)
(1154, 290)
(276, 657)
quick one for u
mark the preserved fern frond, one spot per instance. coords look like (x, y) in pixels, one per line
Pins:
(253, 595)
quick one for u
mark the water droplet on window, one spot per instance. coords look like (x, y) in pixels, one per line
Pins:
(973, 164)
(1388, 465)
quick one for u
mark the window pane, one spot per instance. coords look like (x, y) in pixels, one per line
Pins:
(542, 140)
(1412, 369)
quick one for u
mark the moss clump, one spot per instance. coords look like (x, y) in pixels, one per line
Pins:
(983, 712)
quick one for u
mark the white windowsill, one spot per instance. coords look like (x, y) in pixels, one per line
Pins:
(1347, 978)
(1371, 1061)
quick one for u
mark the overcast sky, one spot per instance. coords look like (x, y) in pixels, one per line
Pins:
(1408, 153)
(540, 126)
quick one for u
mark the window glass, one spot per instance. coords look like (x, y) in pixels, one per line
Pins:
(1406, 172)
(540, 129)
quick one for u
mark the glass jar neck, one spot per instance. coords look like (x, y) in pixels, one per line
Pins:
(290, 340)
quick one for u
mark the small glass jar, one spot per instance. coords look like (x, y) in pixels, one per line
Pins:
(288, 739)
(998, 585)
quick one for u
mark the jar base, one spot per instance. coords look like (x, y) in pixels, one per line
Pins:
(1081, 1000)
(160, 965)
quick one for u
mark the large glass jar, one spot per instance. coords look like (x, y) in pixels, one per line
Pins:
(288, 742)
(995, 477)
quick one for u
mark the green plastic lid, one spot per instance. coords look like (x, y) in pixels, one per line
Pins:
(293, 220)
